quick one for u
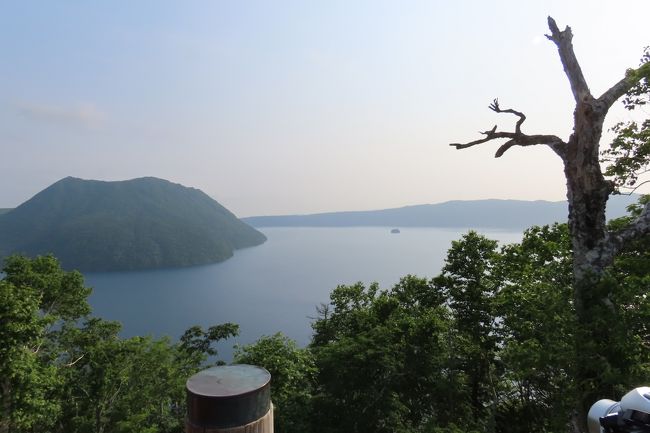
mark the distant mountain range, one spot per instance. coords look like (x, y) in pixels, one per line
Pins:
(491, 214)
(136, 224)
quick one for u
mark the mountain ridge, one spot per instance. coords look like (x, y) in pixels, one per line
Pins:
(486, 213)
(142, 223)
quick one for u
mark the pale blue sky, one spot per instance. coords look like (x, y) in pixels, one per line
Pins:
(276, 107)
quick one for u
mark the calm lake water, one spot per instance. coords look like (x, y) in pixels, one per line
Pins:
(272, 287)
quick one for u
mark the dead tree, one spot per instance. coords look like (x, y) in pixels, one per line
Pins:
(594, 246)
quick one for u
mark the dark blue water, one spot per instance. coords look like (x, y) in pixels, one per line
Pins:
(272, 287)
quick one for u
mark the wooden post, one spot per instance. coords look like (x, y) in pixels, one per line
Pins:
(229, 399)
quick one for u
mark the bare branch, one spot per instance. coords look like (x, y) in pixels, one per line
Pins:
(562, 40)
(554, 142)
(38, 347)
(632, 77)
(516, 138)
(635, 188)
(70, 364)
(494, 106)
(615, 241)
(489, 135)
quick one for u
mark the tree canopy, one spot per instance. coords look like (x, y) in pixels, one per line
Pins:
(62, 370)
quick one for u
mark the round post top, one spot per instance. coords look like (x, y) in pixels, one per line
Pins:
(228, 380)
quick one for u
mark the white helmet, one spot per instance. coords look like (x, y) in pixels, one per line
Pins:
(631, 414)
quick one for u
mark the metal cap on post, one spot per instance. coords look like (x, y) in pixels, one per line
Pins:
(229, 399)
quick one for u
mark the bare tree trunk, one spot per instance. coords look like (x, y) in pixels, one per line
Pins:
(594, 247)
(587, 193)
(99, 426)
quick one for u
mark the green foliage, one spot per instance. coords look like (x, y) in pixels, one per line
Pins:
(470, 288)
(626, 284)
(197, 342)
(488, 345)
(38, 300)
(123, 385)
(537, 326)
(24, 382)
(113, 384)
(62, 371)
(381, 358)
(629, 154)
(137, 224)
(292, 379)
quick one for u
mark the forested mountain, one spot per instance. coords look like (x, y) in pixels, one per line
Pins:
(501, 214)
(135, 224)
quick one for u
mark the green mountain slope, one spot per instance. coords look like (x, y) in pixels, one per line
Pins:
(136, 224)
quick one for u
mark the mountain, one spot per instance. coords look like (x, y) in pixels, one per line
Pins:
(135, 224)
(492, 214)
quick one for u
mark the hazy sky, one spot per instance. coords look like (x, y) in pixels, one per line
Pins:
(276, 107)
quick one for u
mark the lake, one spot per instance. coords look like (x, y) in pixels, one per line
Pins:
(272, 287)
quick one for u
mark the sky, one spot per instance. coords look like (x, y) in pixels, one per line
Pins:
(285, 107)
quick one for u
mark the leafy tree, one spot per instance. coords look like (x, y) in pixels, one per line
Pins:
(470, 287)
(537, 324)
(488, 345)
(131, 385)
(627, 316)
(196, 344)
(63, 371)
(123, 385)
(292, 379)
(37, 300)
(24, 384)
(513, 311)
(629, 154)
(381, 358)
(594, 245)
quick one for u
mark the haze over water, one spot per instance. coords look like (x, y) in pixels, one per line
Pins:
(273, 287)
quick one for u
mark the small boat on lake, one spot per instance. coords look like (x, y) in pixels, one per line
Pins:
(395, 231)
